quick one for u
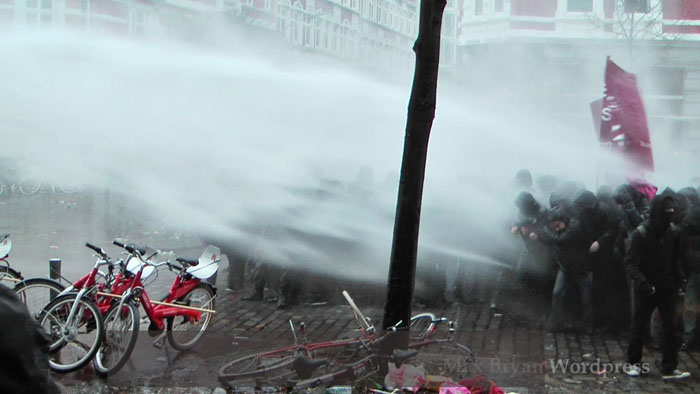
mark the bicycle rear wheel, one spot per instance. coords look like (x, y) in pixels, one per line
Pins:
(121, 332)
(36, 293)
(73, 342)
(183, 332)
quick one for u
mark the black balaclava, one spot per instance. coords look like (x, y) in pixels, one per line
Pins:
(527, 204)
(659, 217)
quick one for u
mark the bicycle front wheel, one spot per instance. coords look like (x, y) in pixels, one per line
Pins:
(121, 331)
(36, 293)
(184, 332)
(259, 369)
(74, 340)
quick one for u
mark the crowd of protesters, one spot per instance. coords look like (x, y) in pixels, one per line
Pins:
(619, 260)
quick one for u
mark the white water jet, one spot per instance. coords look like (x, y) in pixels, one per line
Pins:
(264, 153)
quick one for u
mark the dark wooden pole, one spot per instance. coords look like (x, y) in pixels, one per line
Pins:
(421, 112)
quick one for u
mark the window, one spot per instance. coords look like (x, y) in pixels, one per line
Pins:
(636, 6)
(579, 5)
(478, 7)
(498, 5)
(39, 12)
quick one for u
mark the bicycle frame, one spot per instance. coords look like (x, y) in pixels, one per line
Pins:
(85, 285)
(158, 313)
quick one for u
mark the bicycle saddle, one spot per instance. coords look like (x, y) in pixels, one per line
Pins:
(190, 262)
(305, 366)
(401, 355)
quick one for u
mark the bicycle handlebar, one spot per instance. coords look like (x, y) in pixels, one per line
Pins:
(175, 266)
(130, 247)
(96, 249)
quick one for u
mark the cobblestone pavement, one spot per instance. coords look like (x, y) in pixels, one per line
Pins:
(511, 348)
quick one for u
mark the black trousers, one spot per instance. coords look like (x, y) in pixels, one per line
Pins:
(665, 300)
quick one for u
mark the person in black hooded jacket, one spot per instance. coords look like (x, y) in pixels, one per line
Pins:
(690, 260)
(24, 366)
(570, 242)
(634, 203)
(534, 264)
(653, 265)
(601, 228)
(691, 194)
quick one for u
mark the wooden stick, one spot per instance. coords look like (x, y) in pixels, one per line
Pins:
(162, 303)
(11, 279)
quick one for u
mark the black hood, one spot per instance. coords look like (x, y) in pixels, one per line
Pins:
(585, 201)
(657, 218)
(691, 194)
(605, 194)
(622, 194)
(523, 179)
(691, 223)
(558, 213)
(527, 204)
(682, 207)
(557, 199)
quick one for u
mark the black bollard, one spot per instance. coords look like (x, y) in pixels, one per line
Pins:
(55, 273)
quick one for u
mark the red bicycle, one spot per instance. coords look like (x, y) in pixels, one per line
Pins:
(300, 362)
(184, 314)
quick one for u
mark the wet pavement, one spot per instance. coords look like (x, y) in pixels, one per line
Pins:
(510, 345)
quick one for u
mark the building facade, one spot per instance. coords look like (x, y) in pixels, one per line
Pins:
(556, 49)
(131, 17)
(379, 32)
(373, 32)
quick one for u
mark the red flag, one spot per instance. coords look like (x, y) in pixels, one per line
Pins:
(623, 124)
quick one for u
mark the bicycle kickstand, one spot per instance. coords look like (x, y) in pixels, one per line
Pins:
(159, 342)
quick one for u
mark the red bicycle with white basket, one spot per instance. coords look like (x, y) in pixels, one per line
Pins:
(183, 315)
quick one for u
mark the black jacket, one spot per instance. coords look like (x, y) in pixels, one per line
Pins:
(634, 203)
(571, 245)
(653, 258)
(690, 242)
(24, 348)
(597, 220)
